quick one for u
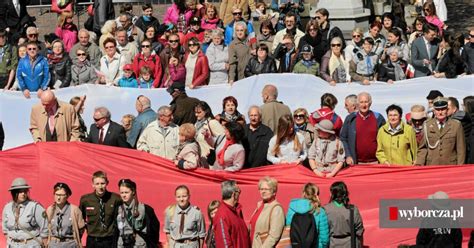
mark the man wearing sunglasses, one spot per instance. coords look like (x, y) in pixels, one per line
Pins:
(468, 53)
(327, 30)
(33, 71)
(237, 15)
(32, 35)
(105, 131)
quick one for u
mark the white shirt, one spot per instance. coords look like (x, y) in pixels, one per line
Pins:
(105, 128)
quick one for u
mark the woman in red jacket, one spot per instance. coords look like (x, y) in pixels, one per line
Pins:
(197, 65)
(147, 58)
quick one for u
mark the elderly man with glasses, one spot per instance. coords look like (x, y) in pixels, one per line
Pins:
(229, 29)
(104, 131)
(33, 71)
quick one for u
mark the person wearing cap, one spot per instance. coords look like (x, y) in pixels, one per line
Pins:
(432, 95)
(261, 63)
(24, 222)
(100, 210)
(307, 65)
(194, 30)
(32, 35)
(439, 237)
(417, 117)
(128, 80)
(65, 221)
(326, 155)
(182, 106)
(33, 71)
(161, 137)
(443, 142)
(359, 132)
(396, 141)
(8, 61)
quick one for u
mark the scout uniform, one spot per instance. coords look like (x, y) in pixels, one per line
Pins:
(185, 227)
(327, 153)
(100, 215)
(24, 224)
(443, 143)
(64, 226)
(129, 226)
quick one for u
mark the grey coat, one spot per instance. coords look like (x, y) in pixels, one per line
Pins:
(83, 75)
(218, 57)
(419, 52)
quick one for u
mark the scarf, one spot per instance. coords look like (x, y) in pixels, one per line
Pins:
(199, 124)
(335, 62)
(220, 155)
(54, 59)
(300, 128)
(308, 63)
(398, 70)
(146, 18)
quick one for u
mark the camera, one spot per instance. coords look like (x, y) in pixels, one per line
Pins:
(128, 240)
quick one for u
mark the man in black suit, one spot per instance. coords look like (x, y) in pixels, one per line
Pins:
(105, 131)
(14, 17)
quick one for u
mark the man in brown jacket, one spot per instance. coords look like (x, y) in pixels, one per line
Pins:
(53, 120)
(272, 109)
(443, 141)
(227, 6)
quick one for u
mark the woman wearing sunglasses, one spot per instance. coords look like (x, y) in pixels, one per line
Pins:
(197, 65)
(334, 66)
(429, 9)
(355, 44)
(147, 58)
(82, 71)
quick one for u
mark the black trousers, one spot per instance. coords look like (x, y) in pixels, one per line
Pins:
(101, 242)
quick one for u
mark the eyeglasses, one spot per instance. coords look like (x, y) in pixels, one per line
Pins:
(336, 45)
(32, 35)
(81, 54)
(299, 116)
(237, 13)
(32, 49)
(98, 119)
(192, 45)
(355, 36)
(146, 46)
(471, 35)
(109, 47)
(173, 41)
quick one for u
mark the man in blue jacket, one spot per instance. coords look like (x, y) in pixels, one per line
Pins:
(145, 116)
(359, 132)
(33, 71)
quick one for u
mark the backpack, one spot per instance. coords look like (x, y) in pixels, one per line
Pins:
(152, 235)
(303, 232)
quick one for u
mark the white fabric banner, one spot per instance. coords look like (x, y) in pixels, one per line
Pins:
(295, 90)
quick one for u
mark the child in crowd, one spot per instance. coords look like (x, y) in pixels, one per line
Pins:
(128, 80)
(188, 157)
(127, 121)
(176, 71)
(260, 13)
(66, 30)
(145, 81)
(207, 40)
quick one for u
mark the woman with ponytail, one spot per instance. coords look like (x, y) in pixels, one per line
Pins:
(310, 203)
(131, 216)
(339, 218)
(65, 222)
(287, 146)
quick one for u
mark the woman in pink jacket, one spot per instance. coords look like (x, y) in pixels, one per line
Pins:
(180, 13)
(66, 30)
(430, 14)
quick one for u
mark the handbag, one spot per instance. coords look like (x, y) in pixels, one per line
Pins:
(284, 241)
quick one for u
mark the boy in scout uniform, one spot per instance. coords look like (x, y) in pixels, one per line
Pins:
(326, 154)
(184, 223)
(100, 209)
(23, 220)
(443, 142)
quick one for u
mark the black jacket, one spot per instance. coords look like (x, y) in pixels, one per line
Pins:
(183, 109)
(254, 67)
(450, 64)
(387, 70)
(103, 11)
(61, 71)
(328, 34)
(115, 136)
(9, 18)
(2, 136)
(316, 44)
(143, 25)
(256, 145)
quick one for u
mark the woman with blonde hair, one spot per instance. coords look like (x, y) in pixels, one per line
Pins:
(268, 219)
(108, 31)
(211, 212)
(334, 66)
(354, 46)
(310, 203)
(287, 146)
(66, 30)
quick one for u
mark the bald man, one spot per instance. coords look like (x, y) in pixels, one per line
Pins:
(53, 120)
(272, 109)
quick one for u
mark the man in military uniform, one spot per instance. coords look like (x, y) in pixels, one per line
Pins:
(443, 141)
(100, 209)
(326, 155)
(23, 220)
(184, 223)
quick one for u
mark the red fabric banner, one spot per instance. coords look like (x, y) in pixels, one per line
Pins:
(44, 164)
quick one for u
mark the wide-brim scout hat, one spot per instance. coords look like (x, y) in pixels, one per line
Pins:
(440, 200)
(325, 126)
(19, 183)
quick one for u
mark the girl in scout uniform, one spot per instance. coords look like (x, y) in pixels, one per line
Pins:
(65, 222)
(131, 216)
(23, 220)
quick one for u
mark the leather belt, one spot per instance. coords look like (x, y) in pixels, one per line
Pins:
(186, 241)
(21, 240)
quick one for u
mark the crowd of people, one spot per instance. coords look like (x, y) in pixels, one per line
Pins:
(197, 45)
